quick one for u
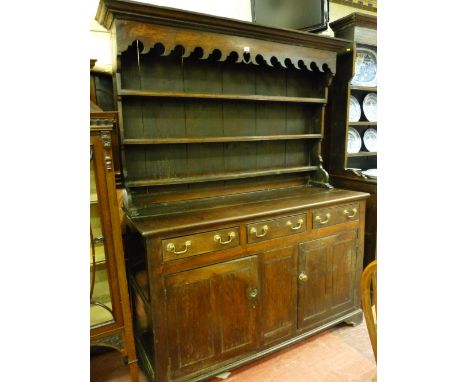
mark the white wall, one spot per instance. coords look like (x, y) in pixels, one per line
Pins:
(234, 9)
(100, 43)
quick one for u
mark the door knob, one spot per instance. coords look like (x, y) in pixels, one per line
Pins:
(253, 293)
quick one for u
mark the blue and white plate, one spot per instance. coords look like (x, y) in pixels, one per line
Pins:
(365, 68)
(370, 139)
(354, 141)
(354, 109)
(369, 105)
(371, 173)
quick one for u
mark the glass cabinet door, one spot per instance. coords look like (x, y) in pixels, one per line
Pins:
(101, 304)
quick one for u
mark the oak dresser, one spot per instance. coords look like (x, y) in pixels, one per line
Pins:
(238, 246)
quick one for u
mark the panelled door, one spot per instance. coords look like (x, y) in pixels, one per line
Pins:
(326, 274)
(212, 314)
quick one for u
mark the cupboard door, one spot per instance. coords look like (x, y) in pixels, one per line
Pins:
(278, 299)
(212, 314)
(326, 270)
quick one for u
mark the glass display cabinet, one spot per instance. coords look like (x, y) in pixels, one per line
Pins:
(110, 317)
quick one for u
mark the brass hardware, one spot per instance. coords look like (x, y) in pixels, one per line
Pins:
(106, 140)
(299, 224)
(108, 160)
(319, 218)
(253, 293)
(171, 248)
(218, 239)
(303, 277)
(265, 228)
(346, 213)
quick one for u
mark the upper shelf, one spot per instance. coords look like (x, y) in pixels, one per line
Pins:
(238, 97)
(244, 138)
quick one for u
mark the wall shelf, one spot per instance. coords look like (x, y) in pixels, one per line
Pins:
(362, 123)
(217, 96)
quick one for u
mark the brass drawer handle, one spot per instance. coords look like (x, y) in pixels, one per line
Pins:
(171, 248)
(299, 224)
(218, 239)
(303, 277)
(319, 218)
(253, 231)
(346, 213)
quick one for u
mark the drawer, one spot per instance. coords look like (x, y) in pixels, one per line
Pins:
(270, 229)
(325, 217)
(191, 245)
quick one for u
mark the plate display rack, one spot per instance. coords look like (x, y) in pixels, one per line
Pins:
(346, 169)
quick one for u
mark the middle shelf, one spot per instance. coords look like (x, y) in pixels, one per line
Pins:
(243, 138)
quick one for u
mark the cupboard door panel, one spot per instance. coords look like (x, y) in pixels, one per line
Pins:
(212, 315)
(236, 308)
(312, 292)
(326, 274)
(278, 301)
(343, 254)
(191, 322)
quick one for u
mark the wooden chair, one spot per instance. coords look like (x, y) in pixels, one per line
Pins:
(369, 302)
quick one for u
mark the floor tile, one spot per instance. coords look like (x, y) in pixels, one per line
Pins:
(340, 354)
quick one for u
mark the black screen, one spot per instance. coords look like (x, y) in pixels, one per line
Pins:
(311, 15)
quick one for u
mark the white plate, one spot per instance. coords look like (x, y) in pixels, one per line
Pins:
(354, 109)
(354, 141)
(370, 139)
(371, 173)
(369, 105)
(365, 68)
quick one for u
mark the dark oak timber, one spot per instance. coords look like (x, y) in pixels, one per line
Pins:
(239, 97)
(216, 177)
(222, 123)
(165, 141)
(362, 154)
(362, 123)
(370, 89)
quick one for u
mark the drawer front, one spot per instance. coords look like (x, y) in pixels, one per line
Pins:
(325, 217)
(191, 245)
(270, 229)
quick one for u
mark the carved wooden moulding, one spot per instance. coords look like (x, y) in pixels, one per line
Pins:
(102, 122)
(222, 48)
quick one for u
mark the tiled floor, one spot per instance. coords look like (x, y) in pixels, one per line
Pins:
(340, 354)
